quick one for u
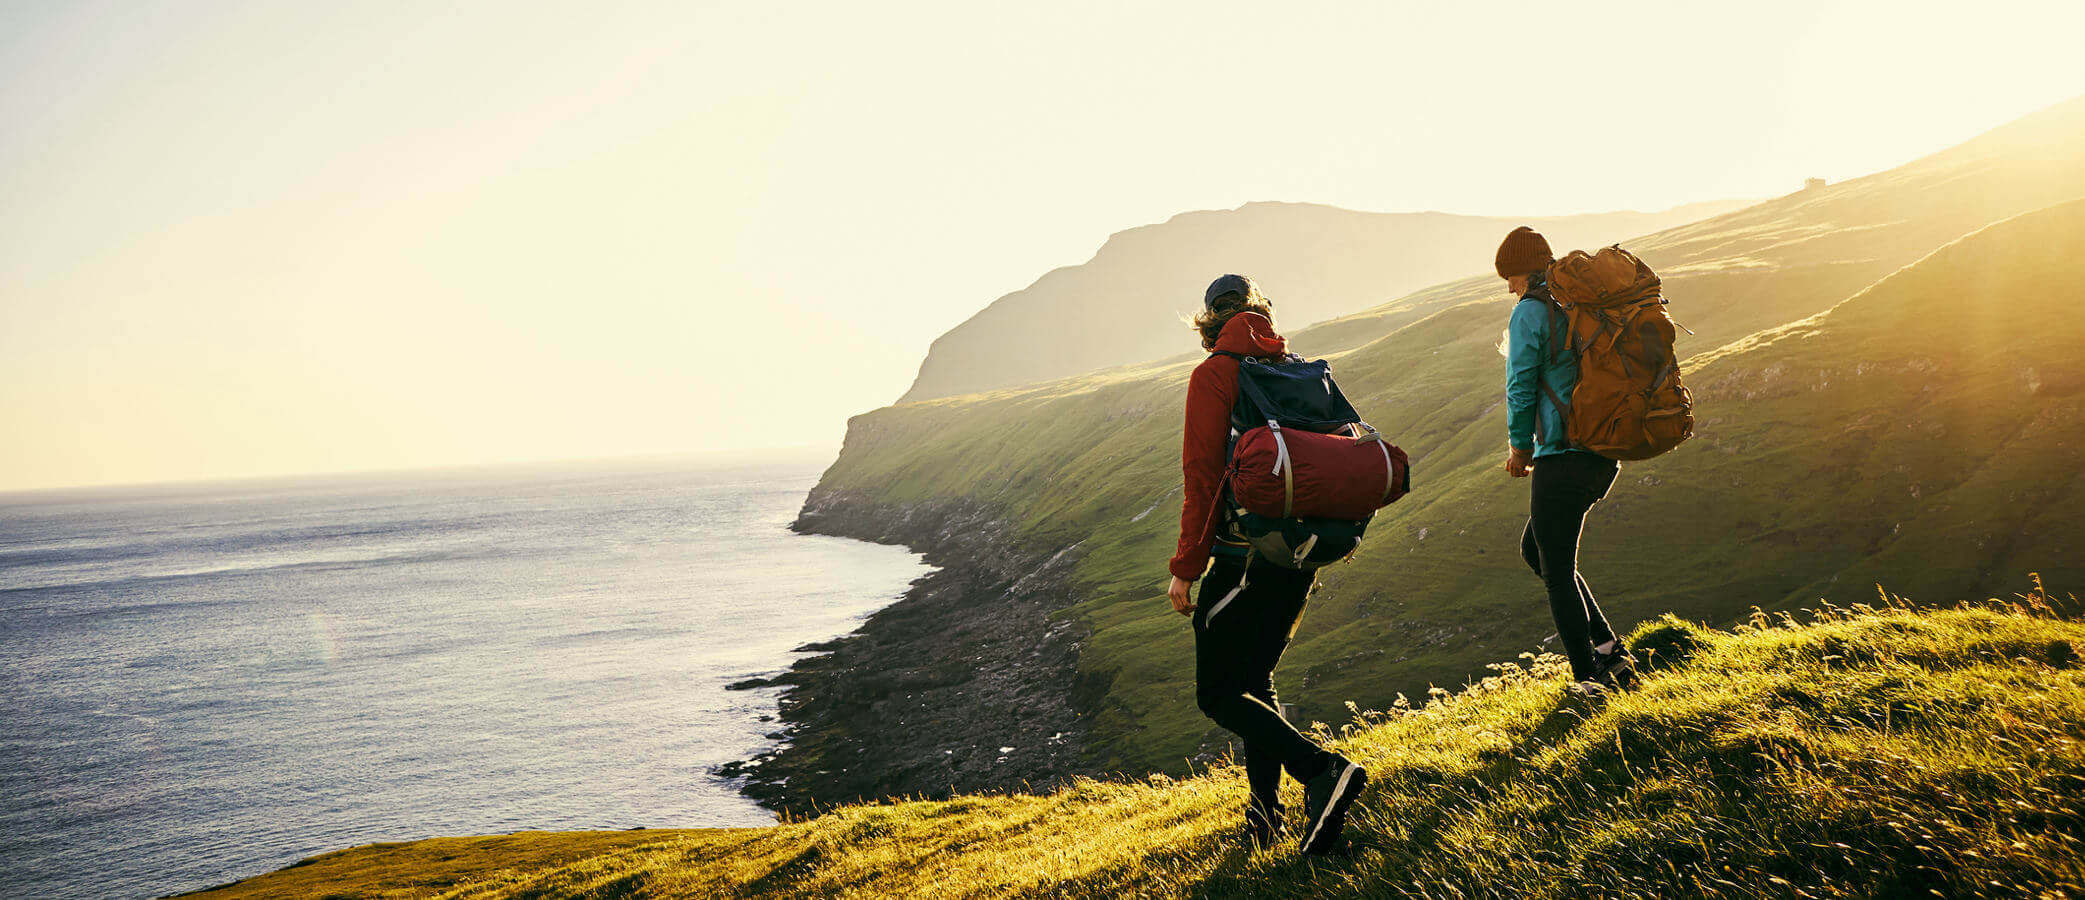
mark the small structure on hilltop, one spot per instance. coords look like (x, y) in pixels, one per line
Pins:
(1811, 184)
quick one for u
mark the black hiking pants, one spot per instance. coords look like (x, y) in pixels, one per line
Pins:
(1237, 643)
(1566, 487)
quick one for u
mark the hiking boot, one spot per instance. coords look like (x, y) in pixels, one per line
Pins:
(1591, 689)
(1263, 827)
(1325, 801)
(1615, 669)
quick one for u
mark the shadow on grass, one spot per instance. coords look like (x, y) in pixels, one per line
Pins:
(1439, 797)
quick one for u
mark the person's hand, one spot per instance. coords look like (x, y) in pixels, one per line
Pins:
(1183, 603)
(1518, 461)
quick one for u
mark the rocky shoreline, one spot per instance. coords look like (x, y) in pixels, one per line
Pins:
(965, 684)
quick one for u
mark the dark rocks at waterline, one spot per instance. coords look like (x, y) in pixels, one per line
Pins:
(963, 685)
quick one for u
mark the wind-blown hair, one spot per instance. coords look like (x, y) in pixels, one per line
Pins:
(1210, 321)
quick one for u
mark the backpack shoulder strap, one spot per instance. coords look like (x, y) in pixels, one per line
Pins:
(1556, 311)
(1560, 336)
(1240, 420)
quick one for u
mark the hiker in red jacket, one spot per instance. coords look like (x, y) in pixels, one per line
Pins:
(1235, 652)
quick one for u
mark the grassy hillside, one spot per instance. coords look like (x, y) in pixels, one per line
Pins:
(1868, 752)
(395, 871)
(1789, 257)
(1123, 306)
(1928, 427)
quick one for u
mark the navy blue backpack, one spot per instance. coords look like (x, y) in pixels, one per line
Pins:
(1298, 394)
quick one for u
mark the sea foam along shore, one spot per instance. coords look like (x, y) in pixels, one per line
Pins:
(966, 684)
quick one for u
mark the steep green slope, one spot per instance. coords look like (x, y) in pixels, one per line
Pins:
(1122, 306)
(1870, 753)
(1938, 403)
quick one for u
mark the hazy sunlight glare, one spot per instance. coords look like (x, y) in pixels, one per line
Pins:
(249, 238)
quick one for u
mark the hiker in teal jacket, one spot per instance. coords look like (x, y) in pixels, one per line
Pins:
(1540, 373)
(1535, 361)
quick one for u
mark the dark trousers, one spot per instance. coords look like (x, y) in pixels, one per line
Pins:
(1566, 487)
(1237, 643)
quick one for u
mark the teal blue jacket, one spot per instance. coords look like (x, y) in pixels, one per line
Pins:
(1534, 369)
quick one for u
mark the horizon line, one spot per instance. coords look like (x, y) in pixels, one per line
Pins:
(750, 454)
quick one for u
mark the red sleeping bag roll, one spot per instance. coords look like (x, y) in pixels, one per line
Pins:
(1280, 473)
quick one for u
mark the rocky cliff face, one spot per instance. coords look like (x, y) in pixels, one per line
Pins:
(963, 685)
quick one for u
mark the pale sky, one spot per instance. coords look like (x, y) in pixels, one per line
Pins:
(265, 238)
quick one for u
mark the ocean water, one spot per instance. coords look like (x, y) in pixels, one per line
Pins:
(205, 683)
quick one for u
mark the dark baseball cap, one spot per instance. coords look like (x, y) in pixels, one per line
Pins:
(1228, 284)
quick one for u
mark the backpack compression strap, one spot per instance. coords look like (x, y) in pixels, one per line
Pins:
(1284, 467)
(1231, 594)
(1362, 431)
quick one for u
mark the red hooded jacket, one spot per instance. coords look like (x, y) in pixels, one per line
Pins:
(1206, 437)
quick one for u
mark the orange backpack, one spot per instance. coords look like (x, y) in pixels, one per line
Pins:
(1629, 403)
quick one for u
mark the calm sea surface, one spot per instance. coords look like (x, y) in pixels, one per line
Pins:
(203, 683)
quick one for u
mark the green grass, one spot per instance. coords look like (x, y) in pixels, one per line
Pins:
(1887, 391)
(1864, 751)
(406, 869)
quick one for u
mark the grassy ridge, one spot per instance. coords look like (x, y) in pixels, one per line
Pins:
(1866, 751)
(1792, 256)
(1876, 438)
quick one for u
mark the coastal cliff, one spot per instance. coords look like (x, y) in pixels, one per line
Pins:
(964, 685)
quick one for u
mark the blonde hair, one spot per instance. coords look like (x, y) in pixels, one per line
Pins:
(1210, 321)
